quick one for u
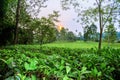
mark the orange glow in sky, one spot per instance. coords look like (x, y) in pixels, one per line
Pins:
(60, 27)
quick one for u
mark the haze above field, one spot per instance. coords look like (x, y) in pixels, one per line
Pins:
(67, 18)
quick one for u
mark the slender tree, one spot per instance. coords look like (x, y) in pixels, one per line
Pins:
(103, 18)
(17, 22)
(100, 12)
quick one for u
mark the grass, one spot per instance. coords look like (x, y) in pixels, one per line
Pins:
(81, 44)
(67, 62)
(73, 45)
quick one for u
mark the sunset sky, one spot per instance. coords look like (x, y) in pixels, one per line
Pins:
(66, 17)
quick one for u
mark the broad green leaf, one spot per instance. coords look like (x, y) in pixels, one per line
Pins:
(103, 65)
(83, 69)
(33, 77)
(22, 77)
(94, 71)
(99, 74)
(62, 61)
(61, 67)
(26, 65)
(10, 60)
(31, 65)
(65, 77)
(68, 69)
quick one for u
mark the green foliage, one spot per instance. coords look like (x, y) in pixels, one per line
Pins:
(25, 36)
(3, 9)
(110, 34)
(118, 0)
(90, 33)
(79, 45)
(99, 12)
(62, 34)
(28, 62)
(31, 65)
(44, 30)
(70, 36)
(86, 33)
(6, 25)
(65, 35)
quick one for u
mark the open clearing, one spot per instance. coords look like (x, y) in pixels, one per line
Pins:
(61, 61)
(81, 44)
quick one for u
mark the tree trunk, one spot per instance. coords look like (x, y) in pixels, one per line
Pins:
(100, 40)
(101, 26)
(17, 22)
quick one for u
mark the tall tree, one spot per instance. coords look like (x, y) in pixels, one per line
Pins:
(101, 12)
(6, 25)
(29, 8)
(17, 21)
(104, 16)
(2, 11)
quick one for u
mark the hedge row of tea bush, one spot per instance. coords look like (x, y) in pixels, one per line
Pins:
(46, 63)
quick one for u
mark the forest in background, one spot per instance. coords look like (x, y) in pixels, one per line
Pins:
(29, 48)
(18, 26)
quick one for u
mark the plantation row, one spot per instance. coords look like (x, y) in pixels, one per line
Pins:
(45, 63)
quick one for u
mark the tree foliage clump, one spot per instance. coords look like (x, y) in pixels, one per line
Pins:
(100, 11)
(6, 23)
(110, 34)
(66, 35)
(90, 33)
(44, 30)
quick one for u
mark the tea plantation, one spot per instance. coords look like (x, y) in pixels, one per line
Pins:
(32, 62)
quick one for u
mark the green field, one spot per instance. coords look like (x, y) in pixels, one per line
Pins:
(81, 44)
(60, 61)
(73, 45)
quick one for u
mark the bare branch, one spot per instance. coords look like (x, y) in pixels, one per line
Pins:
(110, 13)
(97, 2)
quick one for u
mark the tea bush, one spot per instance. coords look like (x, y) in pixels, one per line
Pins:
(53, 63)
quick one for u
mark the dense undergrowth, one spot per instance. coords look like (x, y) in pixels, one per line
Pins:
(45, 63)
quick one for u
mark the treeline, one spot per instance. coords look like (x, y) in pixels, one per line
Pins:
(110, 33)
(30, 30)
(19, 25)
